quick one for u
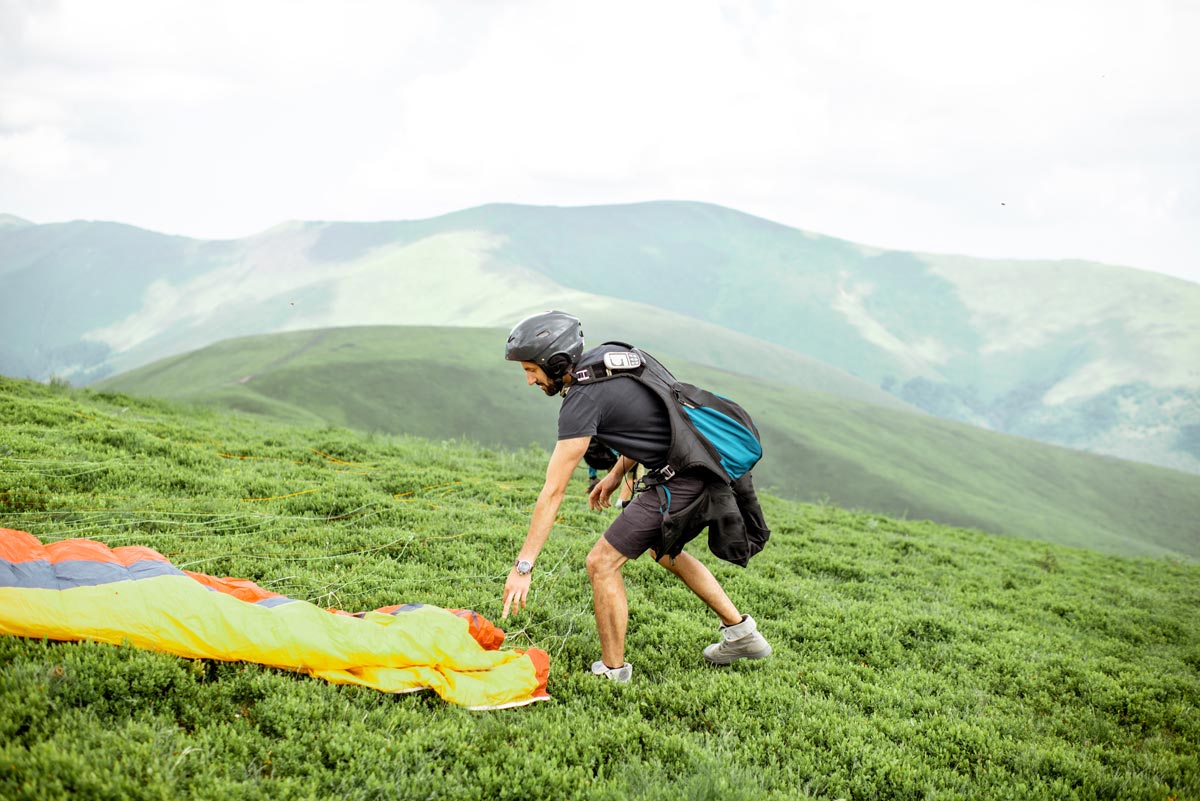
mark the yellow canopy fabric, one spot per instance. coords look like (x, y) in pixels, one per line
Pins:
(82, 590)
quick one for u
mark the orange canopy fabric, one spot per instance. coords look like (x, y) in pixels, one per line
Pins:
(83, 590)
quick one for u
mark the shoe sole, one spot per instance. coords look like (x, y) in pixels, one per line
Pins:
(739, 658)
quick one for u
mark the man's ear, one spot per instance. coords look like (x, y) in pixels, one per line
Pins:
(558, 365)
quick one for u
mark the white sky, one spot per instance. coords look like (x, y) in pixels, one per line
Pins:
(1005, 128)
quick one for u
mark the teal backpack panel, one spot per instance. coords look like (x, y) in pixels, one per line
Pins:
(737, 445)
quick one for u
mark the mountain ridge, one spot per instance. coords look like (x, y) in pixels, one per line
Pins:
(1089, 356)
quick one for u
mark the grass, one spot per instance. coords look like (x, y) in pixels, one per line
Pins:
(912, 661)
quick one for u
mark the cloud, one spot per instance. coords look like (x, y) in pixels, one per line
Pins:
(44, 152)
(901, 125)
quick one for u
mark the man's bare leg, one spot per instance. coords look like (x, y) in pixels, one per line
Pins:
(701, 581)
(608, 597)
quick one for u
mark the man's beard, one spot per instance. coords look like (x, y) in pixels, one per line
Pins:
(551, 389)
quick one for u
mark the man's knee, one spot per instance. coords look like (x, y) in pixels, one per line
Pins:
(603, 559)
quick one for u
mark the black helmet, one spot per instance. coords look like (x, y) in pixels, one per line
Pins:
(552, 340)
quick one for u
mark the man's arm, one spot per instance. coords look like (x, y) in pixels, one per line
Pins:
(563, 462)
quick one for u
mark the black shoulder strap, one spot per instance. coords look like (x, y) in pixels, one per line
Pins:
(611, 364)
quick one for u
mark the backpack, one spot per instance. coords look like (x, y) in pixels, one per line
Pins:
(711, 434)
(599, 456)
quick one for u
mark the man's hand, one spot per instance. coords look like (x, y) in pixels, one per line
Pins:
(516, 591)
(599, 497)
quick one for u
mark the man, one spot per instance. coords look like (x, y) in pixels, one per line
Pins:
(629, 418)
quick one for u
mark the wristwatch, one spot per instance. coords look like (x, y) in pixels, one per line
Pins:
(524, 567)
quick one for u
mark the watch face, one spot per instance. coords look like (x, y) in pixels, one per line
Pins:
(524, 567)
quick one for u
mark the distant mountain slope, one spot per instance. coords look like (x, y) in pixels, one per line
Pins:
(449, 382)
(66, 280)
(1087, 355)
(1091, 356)
(10, 220)
(278, 281)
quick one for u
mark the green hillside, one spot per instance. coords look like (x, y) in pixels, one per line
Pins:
(912, 661)
(63, 280)
(448, 383)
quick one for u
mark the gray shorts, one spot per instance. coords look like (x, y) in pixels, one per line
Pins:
(638, 527)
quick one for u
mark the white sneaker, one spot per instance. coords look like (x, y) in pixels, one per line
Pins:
(739, 641)
(623, 673)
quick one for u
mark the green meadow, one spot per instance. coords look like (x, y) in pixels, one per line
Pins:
(912, 660)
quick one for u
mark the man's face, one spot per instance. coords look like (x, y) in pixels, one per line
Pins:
(536, 375)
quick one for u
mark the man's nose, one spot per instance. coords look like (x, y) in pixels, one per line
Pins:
(529, 379)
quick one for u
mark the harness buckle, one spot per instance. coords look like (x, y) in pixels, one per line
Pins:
(655, 478)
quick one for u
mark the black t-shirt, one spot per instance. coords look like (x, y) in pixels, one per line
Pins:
(623, 414)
